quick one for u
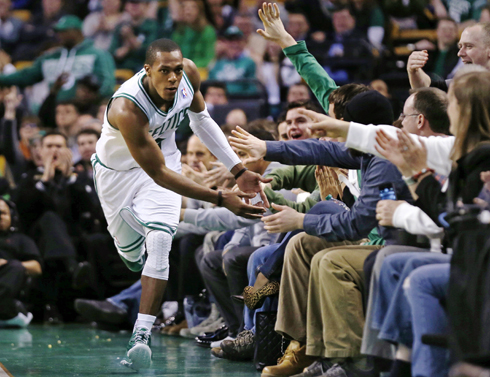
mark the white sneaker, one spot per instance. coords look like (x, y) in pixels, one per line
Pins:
(218, 343)
(20, 320)
(169, 308)
(139, 351)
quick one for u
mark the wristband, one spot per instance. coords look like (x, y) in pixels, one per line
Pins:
(240, 173)
(220, 199)
(416, 177)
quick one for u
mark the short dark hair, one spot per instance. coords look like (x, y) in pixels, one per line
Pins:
(341, 96)
(343, 7)
(432, 104)
(264, 124)
(160, 45)
(88, 131)
(215, 84)
(54, 133)
(261, 134)
(308, 105)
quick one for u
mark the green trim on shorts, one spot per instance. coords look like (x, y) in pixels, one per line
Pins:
(134, 266)
(133, 246)
(163, 227)
(93, 162)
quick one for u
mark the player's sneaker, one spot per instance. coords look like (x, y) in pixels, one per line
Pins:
(139, 352)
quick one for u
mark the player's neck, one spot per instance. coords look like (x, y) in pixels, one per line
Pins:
(159, 102)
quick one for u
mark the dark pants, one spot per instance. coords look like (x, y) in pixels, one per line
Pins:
(12, 279)
(224, 276)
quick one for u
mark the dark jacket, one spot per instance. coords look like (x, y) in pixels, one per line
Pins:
(361, 219)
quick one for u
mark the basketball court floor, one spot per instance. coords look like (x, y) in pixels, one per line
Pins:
(81, 350)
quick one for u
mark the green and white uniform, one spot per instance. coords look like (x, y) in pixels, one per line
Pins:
(133, 203)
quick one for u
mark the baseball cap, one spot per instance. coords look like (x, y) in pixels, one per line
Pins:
(233, 33)
(67, 23)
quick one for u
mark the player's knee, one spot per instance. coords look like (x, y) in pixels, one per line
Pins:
(158, 245)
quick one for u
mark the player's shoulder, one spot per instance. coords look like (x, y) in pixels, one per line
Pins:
(192, 73)
(124, 110)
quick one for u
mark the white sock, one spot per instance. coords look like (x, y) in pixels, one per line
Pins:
(145, 320)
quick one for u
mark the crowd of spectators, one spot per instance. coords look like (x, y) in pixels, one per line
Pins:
(355, 255)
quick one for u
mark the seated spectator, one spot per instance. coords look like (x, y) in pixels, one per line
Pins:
(99, 26)
(298, 92)
(318, 13)
(194, 35)
(67, 115)
(19, 259)
(221, 15)
(443, 57)
(215, 94)
(236, 117)
(346, 52)
(132, 38)
(84, 59)
(10, 28)
(370, 21)
(234, 65)
(37, 34)
(86, 140)
(255, 45)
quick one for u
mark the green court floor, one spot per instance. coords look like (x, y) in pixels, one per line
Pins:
(80, 350)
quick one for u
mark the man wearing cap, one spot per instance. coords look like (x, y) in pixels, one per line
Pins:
(234, 64)
(132, 38)
(75, 58)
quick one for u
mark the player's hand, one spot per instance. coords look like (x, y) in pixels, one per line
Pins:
(385, 209)
(285, 220)
(273, 27)
(251, 182)
(417, 60)
(248, 143)
(233, 201)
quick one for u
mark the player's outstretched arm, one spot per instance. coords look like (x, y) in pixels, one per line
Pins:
(213, 138)
(132, 123)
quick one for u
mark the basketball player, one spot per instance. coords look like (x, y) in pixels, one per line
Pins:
(137, 174)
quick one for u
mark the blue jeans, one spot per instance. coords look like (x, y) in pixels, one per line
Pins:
(427, 288)
(257, 259)
(392, 315)
(129, 300)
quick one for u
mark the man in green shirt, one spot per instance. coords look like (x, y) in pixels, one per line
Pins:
(76, 58)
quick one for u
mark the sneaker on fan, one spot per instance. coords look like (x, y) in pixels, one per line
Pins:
(218, 342)
(198, 330)
(214, 316)
(139, 352)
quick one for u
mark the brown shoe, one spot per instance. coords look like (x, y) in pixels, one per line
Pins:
(293, 361)
(175, 330)
(254, 299)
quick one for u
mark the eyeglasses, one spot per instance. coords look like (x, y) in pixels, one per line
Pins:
(403, 116)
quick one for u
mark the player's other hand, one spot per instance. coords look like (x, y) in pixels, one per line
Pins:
(233, 201)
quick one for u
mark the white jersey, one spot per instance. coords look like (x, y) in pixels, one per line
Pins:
(111, 149)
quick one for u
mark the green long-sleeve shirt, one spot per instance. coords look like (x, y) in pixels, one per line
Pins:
(81, 60)
(197, 46)
(321, 84)
(291, 177)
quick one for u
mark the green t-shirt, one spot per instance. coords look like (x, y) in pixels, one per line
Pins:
(197, 46)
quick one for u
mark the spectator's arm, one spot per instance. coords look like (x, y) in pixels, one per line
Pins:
(33, 267)
(292, 177)
(47, 112)
(415, 221)
(311, 152)
(216, 219)
(312, 72)
(278, 198)
(25, 77)
(241, 237)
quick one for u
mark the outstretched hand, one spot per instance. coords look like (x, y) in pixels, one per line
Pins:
(273, 27)
(285, 220)
(248, 143)
(332, 127)
(232, 199)
(251, 182)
